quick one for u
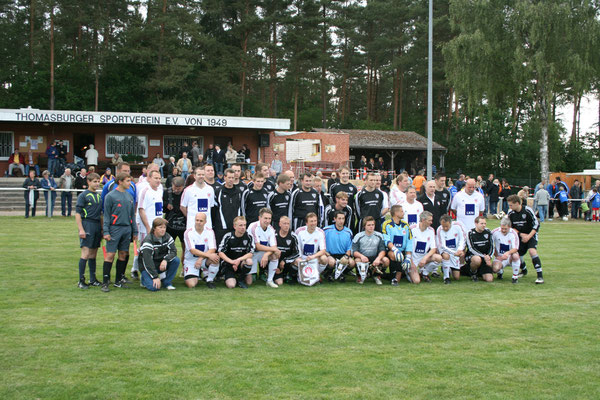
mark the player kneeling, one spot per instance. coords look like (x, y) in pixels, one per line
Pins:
(338, 239)
(235, 252)
(267, 254)
(158, 255)
(398, 239)
(368, 249)
(313, 257)
(506, 249)
(479, 256)
(424, 255)
(451, 244)
(201, 258)
(287, 243)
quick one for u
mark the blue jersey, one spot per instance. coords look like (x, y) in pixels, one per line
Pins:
(112, 185)
(399, 235)
(453, 190)
(336, 241)
(595, 200)
(562, 195)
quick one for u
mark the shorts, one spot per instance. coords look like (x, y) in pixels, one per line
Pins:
(338, 256)
(505, 262)
(190, 271)
(176, 234)
(287, 267)
(120, 238)
(93, 234)
(531, 244)
(482, 270)
(229, 273)
(256, 257)
(454, 262)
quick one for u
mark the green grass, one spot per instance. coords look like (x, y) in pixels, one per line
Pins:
(342, 341)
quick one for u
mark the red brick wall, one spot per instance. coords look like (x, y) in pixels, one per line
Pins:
(339, 157)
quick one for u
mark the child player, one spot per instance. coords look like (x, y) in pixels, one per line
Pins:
(88, 215)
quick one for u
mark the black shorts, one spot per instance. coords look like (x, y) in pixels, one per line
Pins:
(338, 256)
(531, 244)
(229, 273)
(93, 234)
(121, 237)
(482, 270)
(176, 234)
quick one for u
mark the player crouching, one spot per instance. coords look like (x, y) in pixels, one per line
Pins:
(311, 242)
(424, 255)
(200, 254)
(235, 252)
(451, 242)
(287, 243)
(338, 239)
(398, 239)
(158, 255)
(368, 249)
(506, 249)
(267, 254)
(479, 255)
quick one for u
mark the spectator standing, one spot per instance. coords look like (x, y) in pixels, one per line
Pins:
(380, 164)
(175, 173)
(505, 191)
(542, 198)
(32, 184)
(66, 182)
(30, 163)
(62, 151)
(209, 154)
(91, 155)
(185, 165)
(49, 185)
(418, 181)
(386, 181)
(185, 149)
(218, 160)
(52, 154)
(276, 164)
(16, 160)
(169, 167)
(494, 193)
(158, 160)
(230, 156)
(81, 179)
(576, 194)
(194, 154)
(460, 183)
(116, 159)
(106, 177)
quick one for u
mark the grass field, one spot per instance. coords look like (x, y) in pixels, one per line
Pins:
(333, 341)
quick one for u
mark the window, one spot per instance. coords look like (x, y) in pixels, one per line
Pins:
(6, 145)
(133, 144)
(172, 145)
(303, 149)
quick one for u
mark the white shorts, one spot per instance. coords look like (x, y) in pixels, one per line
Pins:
(256, 257)
(141, 232)
(189, 268)
(454, 262)
(505, 262)
(428, 268)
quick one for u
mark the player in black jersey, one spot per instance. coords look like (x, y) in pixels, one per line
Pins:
(236, 250)
(227, 205)
(480, 250)
(267, 184)
(237, 181)
(287, 242)
(344, 185)
(524, 221)
(254, 198)
(88, 215)
(279, 199)
(303, 201)
(369, 202)
(341, 204)
(442, 195)
(209, 176)
(318, 186)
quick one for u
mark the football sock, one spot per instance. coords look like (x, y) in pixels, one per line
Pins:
(515, 267)
(135, 266)
(272, 268)
(446, 268)
(121, 266)
(395, 266)
(322, 267)
(92, 267)
(213, 269)
(82, 263)
(537, 264)
(106, 271)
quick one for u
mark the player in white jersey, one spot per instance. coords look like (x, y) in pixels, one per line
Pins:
(506, 249)
(424, 254)
(468, 204)
(412, 207)
(398, 191)
(265, 242)
(451, 243)
(201, 258)
(198, 197)
(311, 241)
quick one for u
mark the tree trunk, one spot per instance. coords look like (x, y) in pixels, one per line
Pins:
(396, 100)
(576, 105)
(52, 58)
(296, 107)
(543, 115)
(400, 100)
(324, 70)
(245, 36)
(31, 30)
(273, 74)
(162, 34)
(369, 88)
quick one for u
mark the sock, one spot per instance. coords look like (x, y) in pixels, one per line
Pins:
(82, 263)
(135, 266)
(106, 271)
(272, 268)
(515, 267)
(121, 267)
(92, 267)
(322, 267)
(537, 264)
(213, 269)
(523, 265)
(501, 272)
(446, 268)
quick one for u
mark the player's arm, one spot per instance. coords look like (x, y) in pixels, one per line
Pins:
(144, 218)
(224, 257)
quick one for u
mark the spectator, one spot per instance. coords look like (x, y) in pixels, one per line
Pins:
(62, 151)
(460, 183)
(246, 152)
(371, 164)
(116, 158)
(562, 202)
(49, 185)
(52, 154)
(81, 179)
(380, 164)
(209, 154)
(158, 256)
(67, 182)
(185, 165)
(505, 191)
(107, 177)
(542, 198)
(194, 154)
(362, 164)
(576, 194)
(487, 186)
(247, 176)
(169, 167)
(230, 156)
(418, 181)
(185, 149)
(218, 160)
(158, 160)
(31, 195)
(29, 159)
(494, 193)
(91, 156)
(276, 164)
(172, 177)
(524, 194)
(16, 160)
(333, 178)
(553, 189)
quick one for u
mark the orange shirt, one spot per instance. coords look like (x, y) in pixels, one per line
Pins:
(418, 182)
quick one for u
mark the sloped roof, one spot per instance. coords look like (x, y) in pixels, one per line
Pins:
(392, 140)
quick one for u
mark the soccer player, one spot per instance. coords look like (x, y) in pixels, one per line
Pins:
(424, 255)
(368, 246)
(480, 250)
(119, 230)
(432, 203)
(594, 199)
(198, 197)
(318, 186)
(345, 186)
(304, 201)
(200, 254)
(266, 254)
(506, 249)
(311, 242)
(88, 216)
(412, 207)
(398, 240)
(279, 199)
(112, 184)
(524, 221)
(228, 200)
(341, 204)
(158, 257)
(209, 176)
(263, 169)
(386, 199)
(235, 252)
(442, 194)
(451, 243)
(468, 205)
(398, 191)
(338, 241)
(369, 202)
(287, 243)
(254, 198)
(176, 221)
(237, 181)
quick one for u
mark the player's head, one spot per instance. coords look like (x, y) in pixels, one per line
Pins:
(93, 181)
(397, 212)
(284, 224)
(369, 224)
(470, 186)
(259, 180)
(514, 202)
(311, 221)
(178, 184)
(426, 219)
(209, 171)
(263, 169)
(411, 193)
(154, 179)
(341, 199)
(284, 182)
(480, 223)
(237, 170)
(229, 177)
(446, 222)
(199, 175)
(123, 179)
(200, 221)
(505, 225)
(239, 225)
(123, 167)
(430, 188)
(306, 179)
(339, 217)
(290, 173)
(317, 182)
(152, 167)
(264, 217)
(159, 227)
(344, 174)
(371, 181)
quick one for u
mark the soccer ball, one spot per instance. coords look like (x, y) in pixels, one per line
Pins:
(565, 218)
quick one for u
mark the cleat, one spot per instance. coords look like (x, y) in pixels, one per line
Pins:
(272, 284)
(539, 281)
(105, 288)
(377, 280)
(474, 278)
(211, 285)
(515, 280)
(499, 276)
(523, 272)
(342, 279)
(135, 275)
(447, 281)
(426, 278)
(83, 285)
(435, 274)
(95, 283)
(242, 285)
(394, 282)
(121, 284)
(171, 287)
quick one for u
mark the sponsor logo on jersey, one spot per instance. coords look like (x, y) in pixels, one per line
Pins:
(264, 242)
(420, 247)
(399, 240)
(309, 249)
(376, 195)
(199, 247)
(469, 209)
(523, 216)
(202, 205)
(159, 208)
(287, 197)
(451, 243)
(504, 248)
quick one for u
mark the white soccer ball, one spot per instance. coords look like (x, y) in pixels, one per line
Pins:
(565, 218)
